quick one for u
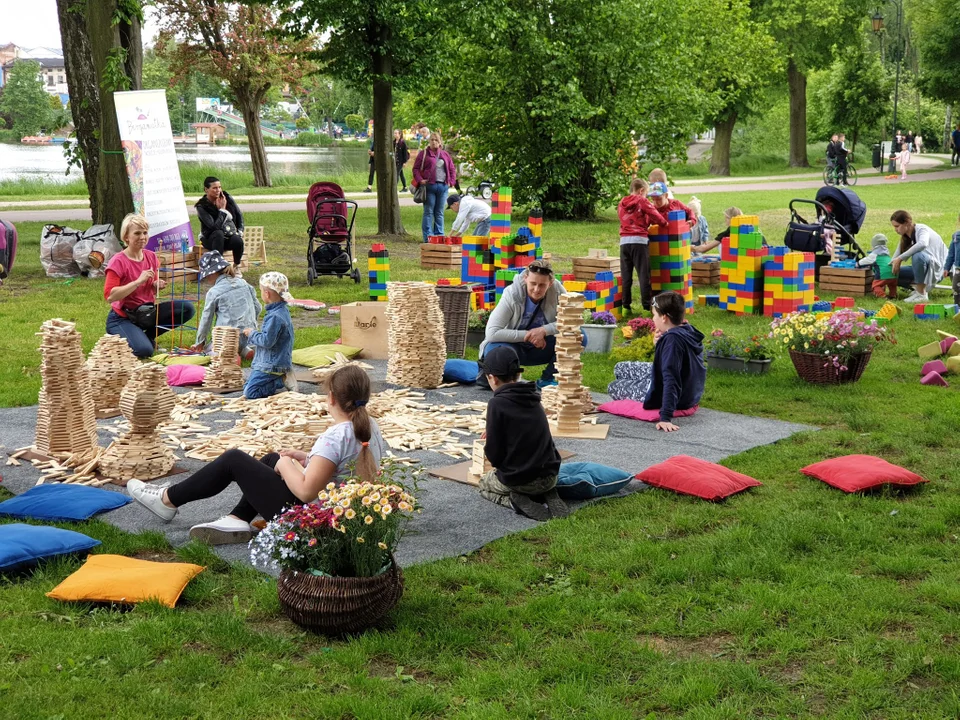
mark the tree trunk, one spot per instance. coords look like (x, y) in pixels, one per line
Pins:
(113, 196)
(389, 221)
(84, 91)
(947, 128)
(798, 115)
(720, 159)
(249, 102)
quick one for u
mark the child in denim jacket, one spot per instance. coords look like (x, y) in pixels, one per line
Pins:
(272, 367)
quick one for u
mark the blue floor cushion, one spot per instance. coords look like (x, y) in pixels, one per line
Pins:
(461, 371)
(24, 545)
(585, 480)
(62, 502)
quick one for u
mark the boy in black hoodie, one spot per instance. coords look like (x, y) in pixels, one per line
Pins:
(519, 444)
(679, 373)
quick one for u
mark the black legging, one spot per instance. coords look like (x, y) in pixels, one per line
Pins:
(217, 240)
(264, 492)
(373, 170)
(401, 178)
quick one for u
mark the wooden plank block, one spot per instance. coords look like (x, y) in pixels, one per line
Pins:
(583, 432)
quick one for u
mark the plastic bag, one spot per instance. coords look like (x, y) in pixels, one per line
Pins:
(97, 245)
(56, 251)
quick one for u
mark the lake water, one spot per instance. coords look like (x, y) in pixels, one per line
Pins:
(46, 162)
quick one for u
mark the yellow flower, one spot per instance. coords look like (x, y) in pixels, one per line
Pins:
(375, 496)
(387, 509)
(368, 519)
(376, 508)
(382, 545)
(338, 511)
(331, 486)
(366, 500)
(345, 503)
(404, 505)
(360, 540)
(350, 514)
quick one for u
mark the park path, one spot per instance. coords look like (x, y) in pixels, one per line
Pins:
(60, 210)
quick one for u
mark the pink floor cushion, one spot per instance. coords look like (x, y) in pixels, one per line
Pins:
(634, 410)
(936, 366)
(853, 473)
(934, 378)
(179, 375)
(692, 476)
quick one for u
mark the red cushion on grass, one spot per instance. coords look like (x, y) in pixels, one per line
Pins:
(692, 476)
(853, 473)
(634, 410)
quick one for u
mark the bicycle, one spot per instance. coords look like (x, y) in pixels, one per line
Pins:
(833, 176)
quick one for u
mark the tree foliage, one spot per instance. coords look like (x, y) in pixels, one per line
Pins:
(857, 91)
(937, 23)
(240, 45)
(25, 100)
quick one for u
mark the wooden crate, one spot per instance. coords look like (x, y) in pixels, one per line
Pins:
(254, 246)
(175, 266)
(705, 273)
(586, 268)
(846, 281)
(441, 257)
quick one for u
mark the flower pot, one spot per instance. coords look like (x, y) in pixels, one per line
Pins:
(720, 362)
(599, 338)
(339, 605)
(475, 337)
(758, 367)
(813, 368)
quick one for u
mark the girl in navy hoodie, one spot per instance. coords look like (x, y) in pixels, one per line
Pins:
(636, 214)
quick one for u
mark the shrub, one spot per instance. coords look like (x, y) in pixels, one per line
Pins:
(638, 350)
(641, 326)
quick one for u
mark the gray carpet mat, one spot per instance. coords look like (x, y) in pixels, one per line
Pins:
(455, 519)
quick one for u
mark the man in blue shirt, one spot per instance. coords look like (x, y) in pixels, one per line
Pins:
(955, 136)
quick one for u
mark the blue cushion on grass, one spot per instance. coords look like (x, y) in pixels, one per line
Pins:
(461, 371)
(23, 545)
(62, 502)
(585, 480)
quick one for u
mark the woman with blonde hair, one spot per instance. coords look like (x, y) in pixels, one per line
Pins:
(279, 480)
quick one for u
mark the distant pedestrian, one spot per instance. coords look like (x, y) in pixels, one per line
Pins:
(904, 157)
(918, 144)
(955, 136)
(373, 169)
(909, 139)
(401, 155)
(435, 169)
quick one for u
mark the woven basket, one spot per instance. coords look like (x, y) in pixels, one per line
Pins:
(339, 605)
(455, 304)
(810, 367)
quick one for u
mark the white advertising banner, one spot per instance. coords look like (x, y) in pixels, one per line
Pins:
(147, 141)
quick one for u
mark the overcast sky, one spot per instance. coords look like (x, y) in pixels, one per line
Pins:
(33, 23)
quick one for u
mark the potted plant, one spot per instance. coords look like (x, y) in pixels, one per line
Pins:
(598, 328)
(725, 352)
(337, 570)
(758, 355)
(828, 349)
(477, 327)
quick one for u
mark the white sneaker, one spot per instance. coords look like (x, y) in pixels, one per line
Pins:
(151, 497)
(225, 531)
(290, 381)
(917, 298)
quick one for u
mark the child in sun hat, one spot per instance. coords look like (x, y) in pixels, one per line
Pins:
(272, 367)
(231, 299)
(884, 279)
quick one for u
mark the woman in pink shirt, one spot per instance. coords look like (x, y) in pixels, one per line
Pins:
(131, 289)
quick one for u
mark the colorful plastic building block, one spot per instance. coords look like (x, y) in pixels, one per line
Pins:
(669, 249)
(741, 267)
(378, 271)
(788, 281)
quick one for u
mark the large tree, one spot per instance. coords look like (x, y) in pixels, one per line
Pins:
(25, 100)
(240, 45)
(857, 91)
(102, 53)
(383, 44)
(808, 33)
(937, 25)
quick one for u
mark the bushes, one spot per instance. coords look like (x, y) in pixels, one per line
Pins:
(639, 350)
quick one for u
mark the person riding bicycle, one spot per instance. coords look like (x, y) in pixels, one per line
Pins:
(832, 153)
(841, 153)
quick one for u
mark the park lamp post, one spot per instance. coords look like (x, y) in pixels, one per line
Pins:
(878, 29)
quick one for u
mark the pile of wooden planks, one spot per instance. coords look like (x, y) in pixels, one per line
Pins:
(223, 372)
(569, 347)
(109, 366)
(597, 260)
(65, 419)
(415, 335)
(552, 401)
(846, 281)
(704, 273)
(441, 257)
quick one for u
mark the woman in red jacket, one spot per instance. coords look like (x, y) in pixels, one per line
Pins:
(434, 167)
(636, 215)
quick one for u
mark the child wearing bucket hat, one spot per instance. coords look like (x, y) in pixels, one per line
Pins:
(231, 299)
(272, 368)
(884, 279)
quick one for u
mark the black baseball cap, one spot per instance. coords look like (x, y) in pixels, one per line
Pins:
(502, 361)
(451, 199)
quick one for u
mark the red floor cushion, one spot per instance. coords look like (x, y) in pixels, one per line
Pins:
(853, 473)
(692, 476)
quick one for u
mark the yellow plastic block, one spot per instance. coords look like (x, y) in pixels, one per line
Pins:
(953, 364)
(930, 350)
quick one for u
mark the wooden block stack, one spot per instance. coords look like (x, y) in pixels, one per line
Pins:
(848, 281)
(65, 419)
(597, 260)
(415, 335)
(223, 372)
(109, 366)
(146, 402)
(440, 257)
(569, 347)
(480, 465)
(553, 403)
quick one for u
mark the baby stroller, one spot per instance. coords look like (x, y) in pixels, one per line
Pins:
(840, 209)
(330, 244)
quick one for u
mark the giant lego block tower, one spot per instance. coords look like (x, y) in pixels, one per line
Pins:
(378, 267)
(670, 257)
(741, 267)
(788, 281)
(602, 294)
(500, 214)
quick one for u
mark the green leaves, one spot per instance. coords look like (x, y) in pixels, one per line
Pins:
(25, 100)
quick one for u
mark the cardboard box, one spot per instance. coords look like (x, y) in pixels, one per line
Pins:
(364, 325)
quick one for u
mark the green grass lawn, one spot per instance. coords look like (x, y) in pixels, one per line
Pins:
(793, 600)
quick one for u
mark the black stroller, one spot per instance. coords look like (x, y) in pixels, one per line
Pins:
(840, 209)
(330, 244)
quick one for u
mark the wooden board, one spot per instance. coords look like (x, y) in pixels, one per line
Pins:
(460, 472)
(107, 413)
(851, 281)
(443, 257)
(587, 431)
(585, 269)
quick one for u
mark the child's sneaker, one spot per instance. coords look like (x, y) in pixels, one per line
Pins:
(225, 531)
(555, 504)
(541, 383)
(151, 497)
(917, 298)
(526, 505)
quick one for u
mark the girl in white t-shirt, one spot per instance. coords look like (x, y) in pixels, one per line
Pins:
(279, 480)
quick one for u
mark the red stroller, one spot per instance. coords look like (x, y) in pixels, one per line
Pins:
(330, 244)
